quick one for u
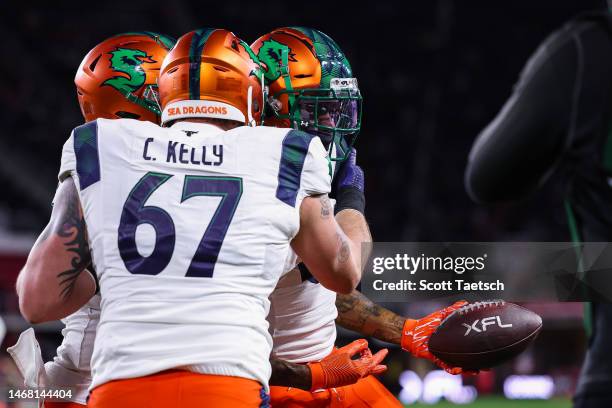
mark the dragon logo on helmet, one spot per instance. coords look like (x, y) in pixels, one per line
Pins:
(257, 71)
(270, 53)
(129, 62)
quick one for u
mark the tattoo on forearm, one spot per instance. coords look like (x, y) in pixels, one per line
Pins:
(358, 313)
(345, 303)
(325, 206)
(344, 251)
(348, 317)
(71, 225)
(373, 310)
(392, 330)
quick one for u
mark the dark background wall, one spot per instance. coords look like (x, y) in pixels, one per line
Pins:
(433, 73)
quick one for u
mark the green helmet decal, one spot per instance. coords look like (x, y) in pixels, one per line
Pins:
(128, 61)
(198, 41)
(257, 71)
(271, 54)
(334, 63)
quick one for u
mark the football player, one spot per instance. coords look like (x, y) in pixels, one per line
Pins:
(98, 78)
(184, 301)
(116, 79)
(311, 87)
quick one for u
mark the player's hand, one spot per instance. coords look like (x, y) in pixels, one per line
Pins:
(416, 334)
(350, 174)
(348, 185)
(339, 368)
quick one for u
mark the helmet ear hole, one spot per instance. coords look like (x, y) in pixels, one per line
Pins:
(93, 64)
(220, 68)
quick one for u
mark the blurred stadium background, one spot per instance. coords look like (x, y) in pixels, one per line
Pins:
(432, 74)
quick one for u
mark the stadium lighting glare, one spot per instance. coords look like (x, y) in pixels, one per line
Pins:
(529, 387)
(2, 330)
(436, 385)
(412, 387)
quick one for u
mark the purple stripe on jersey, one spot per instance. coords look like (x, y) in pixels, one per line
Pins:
(295, 148)
(86, 152)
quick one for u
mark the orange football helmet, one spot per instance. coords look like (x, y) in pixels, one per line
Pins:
(118, 77)
(311, 85)
(211, 73)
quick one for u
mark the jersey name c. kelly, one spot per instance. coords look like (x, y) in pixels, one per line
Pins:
(182, 153)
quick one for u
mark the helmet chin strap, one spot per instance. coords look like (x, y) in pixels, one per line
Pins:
(250, 119)
(158, 105)
(264, 96)
(284, 71)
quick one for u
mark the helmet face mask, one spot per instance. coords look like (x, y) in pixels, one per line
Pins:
(333, 114)
(149, 99)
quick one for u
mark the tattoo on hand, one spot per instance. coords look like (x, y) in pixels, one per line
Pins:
(71, 225)
(325, 206)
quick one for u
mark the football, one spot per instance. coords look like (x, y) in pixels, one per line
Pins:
(484, 334)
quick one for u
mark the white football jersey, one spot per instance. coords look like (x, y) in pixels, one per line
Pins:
(302, 318)
(71, 366)
(189, 228)
(302, 313)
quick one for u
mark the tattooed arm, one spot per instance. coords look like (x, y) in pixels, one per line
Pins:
(355, 226)
(289, 374)
(355, 311)
(330, 255)
(358, 313)
(50, 285)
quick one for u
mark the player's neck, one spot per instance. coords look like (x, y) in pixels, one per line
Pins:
(220, 123)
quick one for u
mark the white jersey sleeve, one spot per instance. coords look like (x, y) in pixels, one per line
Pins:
(302, 318)
(317, 171)
(82, 140)
(304, 168)
(71, 367)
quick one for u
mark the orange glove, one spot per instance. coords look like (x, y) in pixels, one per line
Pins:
(416, 334)
(339, 369)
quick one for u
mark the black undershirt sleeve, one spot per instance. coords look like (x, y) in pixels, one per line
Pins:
(517, 151)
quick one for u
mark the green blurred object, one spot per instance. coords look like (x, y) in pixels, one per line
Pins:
(501, 402)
